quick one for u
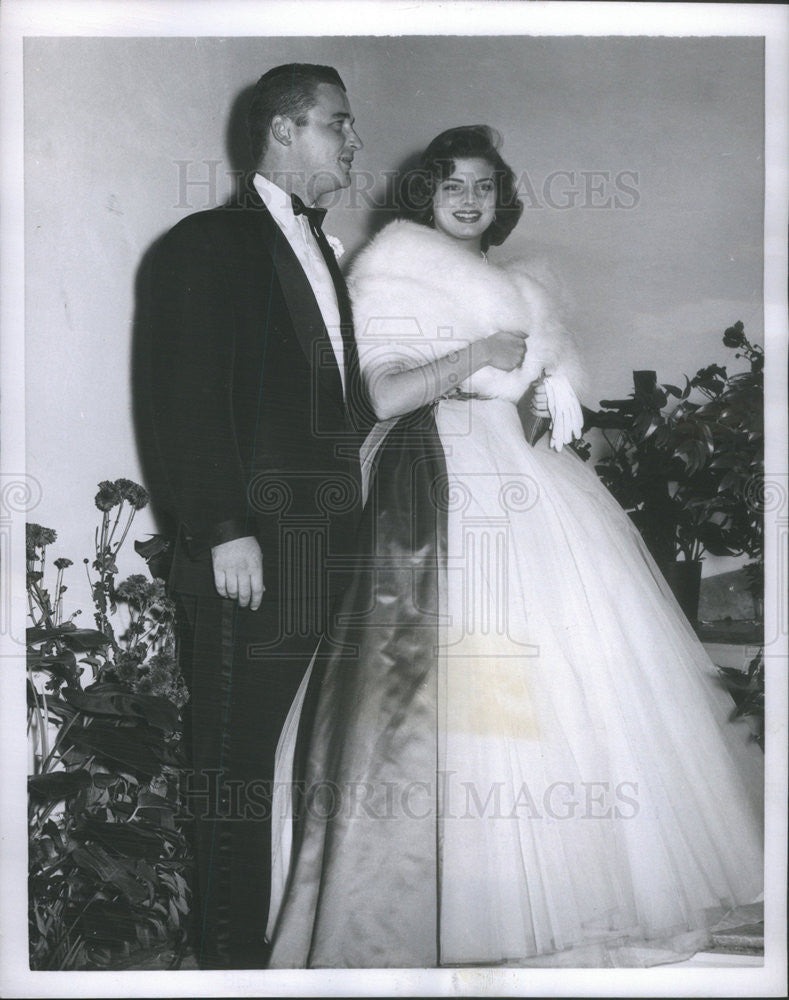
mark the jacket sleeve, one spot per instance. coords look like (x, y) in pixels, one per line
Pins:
(192, 343)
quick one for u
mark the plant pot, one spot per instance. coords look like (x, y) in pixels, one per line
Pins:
(684, 578)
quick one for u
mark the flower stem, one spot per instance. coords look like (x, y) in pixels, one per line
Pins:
(132, 512)
(108, 541)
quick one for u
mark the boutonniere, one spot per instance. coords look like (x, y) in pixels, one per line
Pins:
(337, 248)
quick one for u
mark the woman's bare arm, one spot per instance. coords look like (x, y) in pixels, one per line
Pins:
(394, 393)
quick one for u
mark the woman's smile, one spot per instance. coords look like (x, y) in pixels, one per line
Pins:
(464, 205)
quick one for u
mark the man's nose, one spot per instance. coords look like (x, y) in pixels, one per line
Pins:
(354, 140)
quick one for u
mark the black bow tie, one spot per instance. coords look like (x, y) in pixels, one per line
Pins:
(315, 216)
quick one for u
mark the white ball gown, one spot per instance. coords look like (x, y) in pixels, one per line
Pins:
(520, 754)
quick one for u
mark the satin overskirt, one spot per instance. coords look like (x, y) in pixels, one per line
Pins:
(534, 759)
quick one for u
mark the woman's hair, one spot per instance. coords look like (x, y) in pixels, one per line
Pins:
(438, 162)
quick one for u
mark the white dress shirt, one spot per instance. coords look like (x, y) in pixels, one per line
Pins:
(296, 230)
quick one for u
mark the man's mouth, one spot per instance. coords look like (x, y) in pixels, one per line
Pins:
(346, 161)
(467, 217)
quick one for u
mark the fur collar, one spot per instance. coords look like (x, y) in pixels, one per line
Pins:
(419, 295)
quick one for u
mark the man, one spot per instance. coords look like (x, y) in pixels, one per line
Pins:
(253, 370)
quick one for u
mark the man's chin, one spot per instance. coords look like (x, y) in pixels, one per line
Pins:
(331, 182)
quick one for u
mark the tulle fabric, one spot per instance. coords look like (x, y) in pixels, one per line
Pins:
(598, 806)
(593, 806)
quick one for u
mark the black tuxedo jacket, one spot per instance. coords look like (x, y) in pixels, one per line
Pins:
(247, 404)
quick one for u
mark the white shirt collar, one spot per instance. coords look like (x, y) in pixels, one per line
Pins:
(276, 200)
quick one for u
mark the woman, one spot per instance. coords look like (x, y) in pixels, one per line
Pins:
(519, 754)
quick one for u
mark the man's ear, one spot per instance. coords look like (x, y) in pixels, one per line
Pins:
(282, 129)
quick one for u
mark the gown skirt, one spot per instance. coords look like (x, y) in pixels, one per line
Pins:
(519, 753)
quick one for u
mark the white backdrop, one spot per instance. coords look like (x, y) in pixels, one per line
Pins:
(124, 136)
(107, 120)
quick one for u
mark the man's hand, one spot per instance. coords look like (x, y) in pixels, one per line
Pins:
(238, 571)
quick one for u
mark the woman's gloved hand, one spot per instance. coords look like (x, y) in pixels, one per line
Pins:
(565, 411)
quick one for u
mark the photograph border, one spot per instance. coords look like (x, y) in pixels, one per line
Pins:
(180, 18)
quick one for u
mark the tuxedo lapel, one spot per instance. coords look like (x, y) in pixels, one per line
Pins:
(308, 323)
(356, 403)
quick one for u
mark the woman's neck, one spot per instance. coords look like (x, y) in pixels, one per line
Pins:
(473, 247)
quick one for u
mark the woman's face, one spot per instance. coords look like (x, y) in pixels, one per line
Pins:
(464, 204)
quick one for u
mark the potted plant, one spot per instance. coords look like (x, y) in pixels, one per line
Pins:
(687, 464)
(107, 855)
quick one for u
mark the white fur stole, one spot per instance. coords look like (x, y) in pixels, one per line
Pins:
(417, 296)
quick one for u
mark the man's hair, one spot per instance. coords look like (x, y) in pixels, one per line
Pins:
(285, 90)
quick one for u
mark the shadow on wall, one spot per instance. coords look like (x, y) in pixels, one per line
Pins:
(144, 351)
(239, 155)
(385, 206)
(143, 356)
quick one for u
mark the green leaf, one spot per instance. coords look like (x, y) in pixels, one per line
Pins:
(114, 921)
(61, 665)
(147, 873)
(708, 439)
(80, 639)
(725, 460)
(52, 830)
(731, 481)
(84, 640)
(127, 839)
(126, 748)
(103, 780)
(150, 800)
(117, 700)
(97, 861)
(58, 785)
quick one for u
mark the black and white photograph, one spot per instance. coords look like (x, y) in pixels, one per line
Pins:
(394, 502)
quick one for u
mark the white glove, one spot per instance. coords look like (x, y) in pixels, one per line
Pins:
(567, 420)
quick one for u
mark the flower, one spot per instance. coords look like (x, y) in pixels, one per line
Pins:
(126, 667)
(63, 563)
(136, 495)
(164, 678)
(135, 589)
(37, 537)
(336, 244)
(734, 336)
(108, 495)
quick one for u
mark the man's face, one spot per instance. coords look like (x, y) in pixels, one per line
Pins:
(323, 149)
